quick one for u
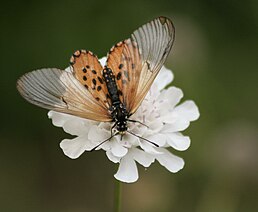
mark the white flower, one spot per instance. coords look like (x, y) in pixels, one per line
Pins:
(159, 111)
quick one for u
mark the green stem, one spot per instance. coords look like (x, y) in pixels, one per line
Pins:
(117, 199)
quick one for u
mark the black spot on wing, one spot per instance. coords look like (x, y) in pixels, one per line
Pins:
(118, 77)
(119, 92)
(93, 71)
(99, 88)
(121, 66)
(94, 81)
(100, 80)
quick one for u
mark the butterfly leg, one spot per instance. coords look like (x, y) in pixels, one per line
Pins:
(156, 145)
(102, 142)
(134, 121)
(111, 130)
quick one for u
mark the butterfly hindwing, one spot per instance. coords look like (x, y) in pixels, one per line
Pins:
(60, 91)
(141, 58)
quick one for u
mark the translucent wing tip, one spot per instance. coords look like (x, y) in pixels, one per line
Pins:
(167, 21)
(163, 20)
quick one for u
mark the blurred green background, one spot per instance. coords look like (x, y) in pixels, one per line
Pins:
(214, 59)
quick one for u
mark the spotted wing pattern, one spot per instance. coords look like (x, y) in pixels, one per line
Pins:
(60, 91)
(82, 91)
(87, 69)
(124, 60)
(140, 58)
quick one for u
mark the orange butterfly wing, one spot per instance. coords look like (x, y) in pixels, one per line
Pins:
(82, 92)
(137, 60)
(87, 69)
(125, 62)
(66, 92)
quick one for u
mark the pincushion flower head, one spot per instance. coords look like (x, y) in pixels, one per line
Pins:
(117, 107)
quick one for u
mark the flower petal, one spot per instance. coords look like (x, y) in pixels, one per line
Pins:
(97, 135)
(103, 61)
(176, 125)
(127, 171)
(142, 157)
(73, 148)
(170, 98)
(157, 138)
(76, 126)
(117, 149)
(170, 161)
(164, 77)
(69, 69)
(147, 147)
(111, 157)
(178, 141)
(187, 110)
(58, 119)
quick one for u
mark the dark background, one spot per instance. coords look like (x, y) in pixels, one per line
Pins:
(214, 60)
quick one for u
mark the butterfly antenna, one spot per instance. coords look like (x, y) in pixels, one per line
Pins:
(156, 145)
(103, 142)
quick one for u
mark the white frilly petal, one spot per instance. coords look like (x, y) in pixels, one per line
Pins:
(164, 77)
(117, 149)
(148, 147)
(179, 118)
(158, 138)
(175, 124)
(111, 157)
(170, 98)
(178, 141)
(73, 148)
(127, 171)
(76, 126)
(58, 119)
(103, 61)
(71, 124)
(187, 110)
(142, 157)
(170, 161)
(69, 69)
(97, 135)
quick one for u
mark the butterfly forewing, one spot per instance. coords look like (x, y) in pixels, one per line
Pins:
(146, 51)
(87, 69)
(124, 61)
(59, 90)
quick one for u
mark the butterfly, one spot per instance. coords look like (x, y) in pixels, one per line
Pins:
(112, 93)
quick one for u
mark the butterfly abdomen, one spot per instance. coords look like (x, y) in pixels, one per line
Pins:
(111, 86)
(118, 111)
